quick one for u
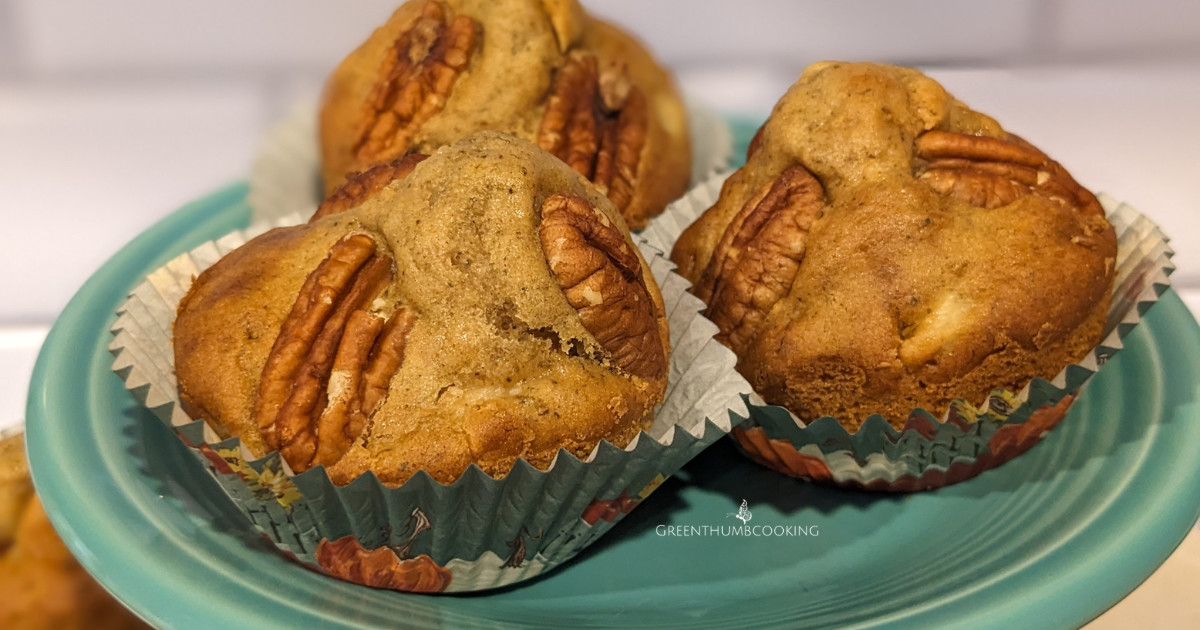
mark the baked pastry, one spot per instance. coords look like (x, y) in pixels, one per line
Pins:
(886, 248)
(482, 305)
(15, 486)
(439, 70)
(43, 585)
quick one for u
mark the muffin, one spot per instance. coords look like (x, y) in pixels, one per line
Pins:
(440, 70)
(887, 248)
(15, 486)
(44, 586)
(479, 307)
(452, 379)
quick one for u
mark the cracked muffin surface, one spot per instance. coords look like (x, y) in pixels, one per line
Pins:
(885, 247)
(485, 305)
(439, 70)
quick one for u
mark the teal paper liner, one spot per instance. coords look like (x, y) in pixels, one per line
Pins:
(476, 533)
(934, 451)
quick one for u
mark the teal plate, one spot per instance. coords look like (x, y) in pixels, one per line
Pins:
(1050, 540)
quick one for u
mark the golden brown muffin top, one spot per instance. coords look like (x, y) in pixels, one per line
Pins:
(492, 308)
(439, 70)
(885, 236)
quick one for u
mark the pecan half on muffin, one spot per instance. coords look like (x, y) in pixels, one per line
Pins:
(480, 306)
(544, 70)
(886, 248)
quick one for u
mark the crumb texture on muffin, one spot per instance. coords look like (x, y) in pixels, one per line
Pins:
(885, 247)
(439, 70)
(485, 305)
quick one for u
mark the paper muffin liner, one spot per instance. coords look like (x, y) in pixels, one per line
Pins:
(476, 533)
(964, 439)
(285, 176)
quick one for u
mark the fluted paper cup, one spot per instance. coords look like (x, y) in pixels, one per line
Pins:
(285, 177)
(476, 533)
(941, 446)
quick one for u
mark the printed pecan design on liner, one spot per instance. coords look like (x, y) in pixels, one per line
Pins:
(362, 186)
(601, 277)
(596, 122)
(992, 172)
(759, 254)
(415, 79)
(780, 455)
(329, 367)
(346, 559)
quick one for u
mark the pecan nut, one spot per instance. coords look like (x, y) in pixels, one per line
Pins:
(759, 254)
(330, 356)
(991, 172)
(362, 186)
(413, 83)
(601, 276)
(596, 122)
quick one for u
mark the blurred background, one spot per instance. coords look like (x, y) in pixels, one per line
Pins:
(115, 113)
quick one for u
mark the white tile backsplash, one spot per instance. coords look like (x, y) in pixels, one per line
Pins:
(153, 35)
(798, 33)
(86, 168)
(1119, 28)
(9, 39)
(114, 36)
